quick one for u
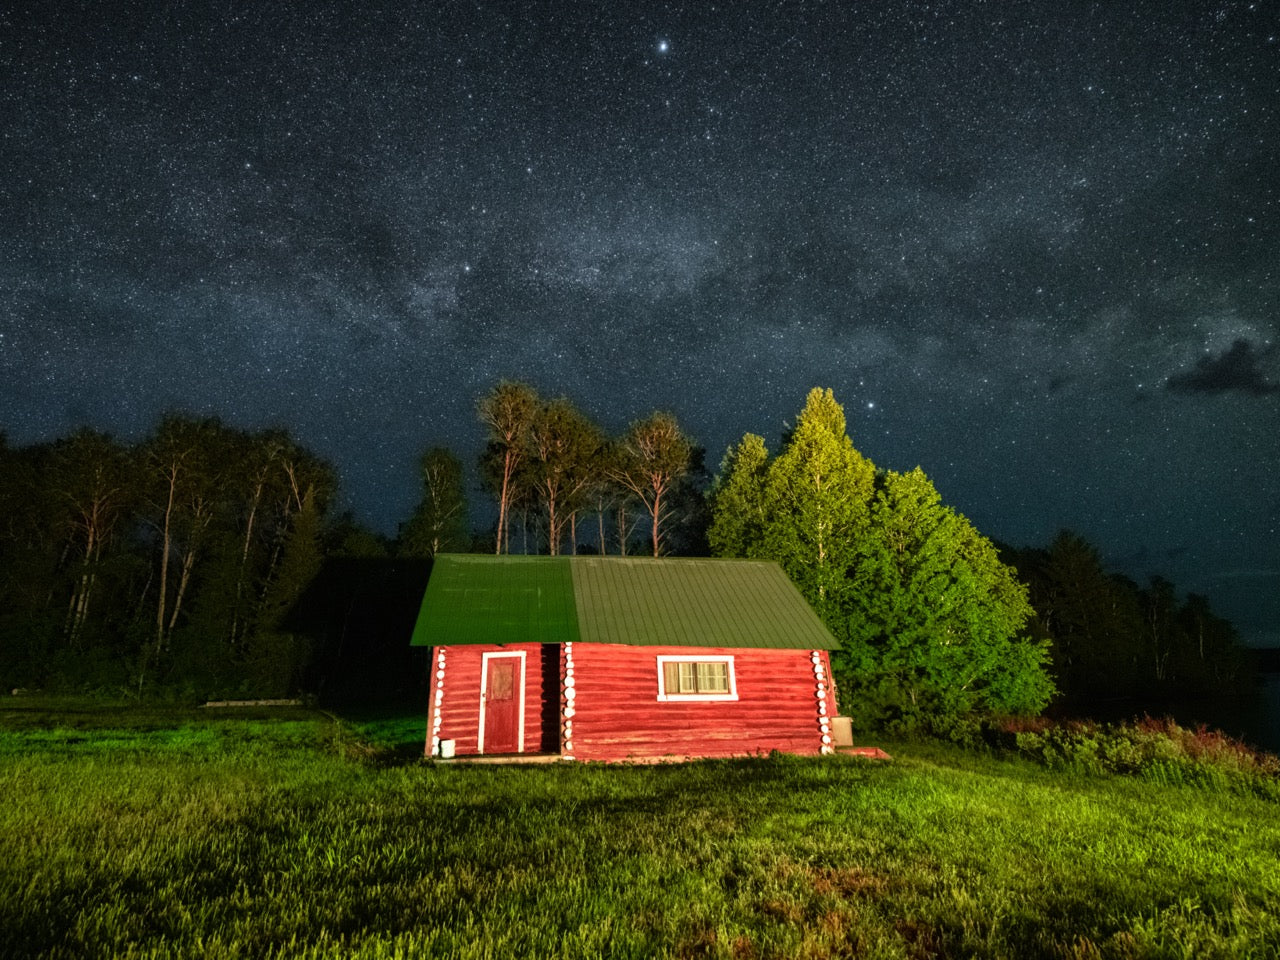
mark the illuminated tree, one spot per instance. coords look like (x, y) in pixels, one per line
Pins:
(929, 619)
(935, 620)
(738, 505)
(508, 411)
(653, 456)
(817, 494)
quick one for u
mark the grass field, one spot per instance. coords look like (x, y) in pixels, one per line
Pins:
(283, 833)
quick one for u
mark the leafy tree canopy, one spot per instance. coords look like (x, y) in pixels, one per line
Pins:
(930, 619)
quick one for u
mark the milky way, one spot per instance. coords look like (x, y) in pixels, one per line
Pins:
(1033, 247)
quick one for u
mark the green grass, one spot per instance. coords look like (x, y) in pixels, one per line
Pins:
(283, 833)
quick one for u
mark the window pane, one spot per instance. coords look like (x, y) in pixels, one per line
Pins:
(688, 678)
(713, 677)
(671, 677)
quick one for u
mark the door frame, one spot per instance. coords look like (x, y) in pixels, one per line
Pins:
(484, 703)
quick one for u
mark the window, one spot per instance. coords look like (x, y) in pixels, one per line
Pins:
(708, 676)
(696, 678)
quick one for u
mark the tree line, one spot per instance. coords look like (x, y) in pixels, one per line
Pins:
(1114, 639)
(549, 466)
(176, 558)
(183, 562)
(206, 559)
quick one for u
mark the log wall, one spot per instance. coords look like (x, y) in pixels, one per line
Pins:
(782, 705)
(614, 714)
(454, 712)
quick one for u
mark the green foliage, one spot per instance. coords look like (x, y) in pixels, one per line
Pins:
(278, 833)
(737, 499)
(935, 619)
(817, 493)
(931, 622)
(1156, 750)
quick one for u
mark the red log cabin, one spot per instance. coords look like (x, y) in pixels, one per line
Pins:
(622, 658)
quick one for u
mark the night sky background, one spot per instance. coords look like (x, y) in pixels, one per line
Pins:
(1033, 247)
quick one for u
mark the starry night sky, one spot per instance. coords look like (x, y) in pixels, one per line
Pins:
(1033, 247)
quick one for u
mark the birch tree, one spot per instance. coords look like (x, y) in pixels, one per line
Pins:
(185, 459)
(563, 446)
(507, 410)
(653, 456)
(439, 524)
(262, 478)
(91, 476)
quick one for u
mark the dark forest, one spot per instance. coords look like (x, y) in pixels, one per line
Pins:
(206, 561)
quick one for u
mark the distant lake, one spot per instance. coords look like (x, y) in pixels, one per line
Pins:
(1265, 732)
(1253, 715)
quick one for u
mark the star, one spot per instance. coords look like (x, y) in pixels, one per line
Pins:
(433, 206)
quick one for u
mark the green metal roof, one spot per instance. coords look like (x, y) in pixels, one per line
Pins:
(480, 599)
(643, 601)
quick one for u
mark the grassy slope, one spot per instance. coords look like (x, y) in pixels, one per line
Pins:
(182, 834)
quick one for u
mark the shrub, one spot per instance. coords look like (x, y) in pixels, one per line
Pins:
(1154, 749)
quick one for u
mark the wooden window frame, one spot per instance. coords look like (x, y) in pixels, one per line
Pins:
(665, 697)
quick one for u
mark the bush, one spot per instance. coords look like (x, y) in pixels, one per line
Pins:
(1156, 750)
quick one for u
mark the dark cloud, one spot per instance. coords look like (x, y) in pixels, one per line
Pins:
(1238, 368)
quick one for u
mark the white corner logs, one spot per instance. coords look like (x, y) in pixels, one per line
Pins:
(439, 702)
(820, 693)
(568, 694)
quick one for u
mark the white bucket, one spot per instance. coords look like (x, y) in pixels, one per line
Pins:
(446, 749)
